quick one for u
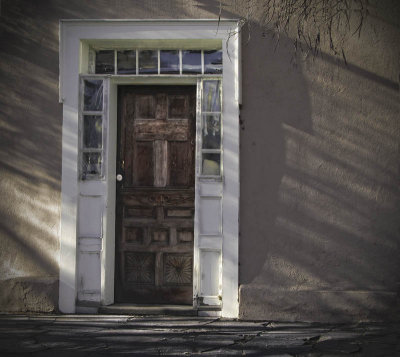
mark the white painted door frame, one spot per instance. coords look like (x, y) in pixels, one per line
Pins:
(87, 235)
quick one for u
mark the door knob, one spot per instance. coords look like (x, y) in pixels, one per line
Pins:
(119, 177)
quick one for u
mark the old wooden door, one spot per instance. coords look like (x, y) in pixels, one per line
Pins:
(155, 198)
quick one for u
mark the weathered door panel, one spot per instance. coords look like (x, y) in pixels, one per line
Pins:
(155, 199)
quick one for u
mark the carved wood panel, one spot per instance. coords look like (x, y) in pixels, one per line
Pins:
(155, 199)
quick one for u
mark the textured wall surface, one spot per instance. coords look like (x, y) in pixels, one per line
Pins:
(320, 197)
(320, 223)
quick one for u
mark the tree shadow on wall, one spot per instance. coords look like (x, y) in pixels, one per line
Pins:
(274, 93)
(318, 177)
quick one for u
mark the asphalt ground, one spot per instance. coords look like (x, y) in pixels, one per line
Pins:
(105, 335)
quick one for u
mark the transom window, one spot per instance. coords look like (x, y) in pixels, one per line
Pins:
(155, 62)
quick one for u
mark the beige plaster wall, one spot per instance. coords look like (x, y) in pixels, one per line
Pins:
(320, 179)
(319, 205)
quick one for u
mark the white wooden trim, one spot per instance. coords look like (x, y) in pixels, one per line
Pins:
(108, 256)
(72, 33)
(212, 22)
(230, 210)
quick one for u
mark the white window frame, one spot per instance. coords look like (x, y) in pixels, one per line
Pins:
(73, 34)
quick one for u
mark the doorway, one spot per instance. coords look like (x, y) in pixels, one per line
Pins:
(88, 208)
(155, 194)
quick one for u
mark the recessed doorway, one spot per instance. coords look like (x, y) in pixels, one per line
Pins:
(155, 194)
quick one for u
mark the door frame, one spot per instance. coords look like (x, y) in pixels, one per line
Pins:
(100, 246)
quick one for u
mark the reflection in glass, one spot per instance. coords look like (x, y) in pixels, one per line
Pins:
(148, 62)
(93, 95)
(169, 62)
(92, 131)
(211, 131)
(92, 61)
(105, 61)
(126, 62)
(213, 62)
(211, 164)
(91, 163)
(211, 96)
(191, 62)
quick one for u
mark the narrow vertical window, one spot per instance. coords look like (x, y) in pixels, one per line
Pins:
(93, 95)
(92, 132)
(211, 128)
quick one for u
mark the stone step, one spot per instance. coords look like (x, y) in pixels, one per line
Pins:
(138, 309)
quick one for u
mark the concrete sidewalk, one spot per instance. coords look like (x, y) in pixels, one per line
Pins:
(104, 335)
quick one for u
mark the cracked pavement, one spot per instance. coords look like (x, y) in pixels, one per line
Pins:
(98, 335)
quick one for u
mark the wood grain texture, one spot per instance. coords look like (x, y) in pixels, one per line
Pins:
(178, 106)
(145, 106)
(160, 163)
(151, 130)
(156, 196)
(179, 163)
(143, 167)
(155, 200)
(161, 106)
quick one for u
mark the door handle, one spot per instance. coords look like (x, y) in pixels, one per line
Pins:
(119, 177)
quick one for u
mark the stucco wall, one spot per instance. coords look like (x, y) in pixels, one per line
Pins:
(320, 179)
(319, 205)
(30, 152)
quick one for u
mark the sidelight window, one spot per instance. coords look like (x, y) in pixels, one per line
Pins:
(92, 129)
(211, 128)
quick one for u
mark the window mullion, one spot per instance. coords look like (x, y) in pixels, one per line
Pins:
(202, 61)
(115, 62)
(180, 62)
(158, 62)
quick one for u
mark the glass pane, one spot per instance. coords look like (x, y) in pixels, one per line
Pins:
(126, 62)
(211, 131)
(93, 96)
(169, 62)
(105, 61)
(191, 62)
(148, 62)
(92, 131)
(211, 96)
(213, 62)
(91, 164)
(211, 164)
